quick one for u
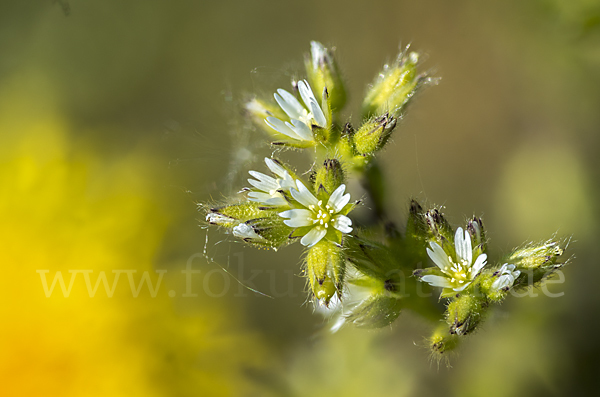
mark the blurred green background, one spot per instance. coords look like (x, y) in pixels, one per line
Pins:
(117, 117)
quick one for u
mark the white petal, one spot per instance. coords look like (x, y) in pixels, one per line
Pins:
(266, 198)
(318, 53)
(298, 217)
(313, 237)
(478, 265)
(337, 200)
(264, 182)
(462, 244)
(301, 129)
(289, 104)
(318, 114)
(436, 281)
(438, 256)
(244, 231)
(275, 167)
(280, 127)
(303, 195)
(342, 223)
(306, 93)
(502, 282)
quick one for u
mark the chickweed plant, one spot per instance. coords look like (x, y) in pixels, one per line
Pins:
(366, 275)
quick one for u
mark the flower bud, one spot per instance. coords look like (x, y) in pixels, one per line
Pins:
(442, 342)
(477, 232)
(416, 226)
(328, 178)
(373, 134)
(325, 268)
(535, 256)
(464, 313)
(538, 261)
(323, 73)
(440, 229)
(394, 86)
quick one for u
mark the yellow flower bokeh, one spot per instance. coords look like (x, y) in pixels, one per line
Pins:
(64, 208)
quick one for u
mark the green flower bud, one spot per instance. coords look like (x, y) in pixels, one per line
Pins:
(328, 178)
(442, 342)
(440, 229)
(535, 256)
(537, 261)
(373, 134)
(464, 313)
(394, 87)
(325, 268)
(416, 226)
(323, 73)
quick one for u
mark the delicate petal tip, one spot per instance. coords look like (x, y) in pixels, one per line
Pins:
(343, 223)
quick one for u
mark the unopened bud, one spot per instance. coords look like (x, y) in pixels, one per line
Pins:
(395, 86)
(323, 73)
(373, 134)
(328, 178)
(464, 313)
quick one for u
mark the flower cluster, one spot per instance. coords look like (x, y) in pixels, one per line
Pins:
(359, 269)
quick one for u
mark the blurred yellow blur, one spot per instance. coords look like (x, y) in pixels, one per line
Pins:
(63, 209)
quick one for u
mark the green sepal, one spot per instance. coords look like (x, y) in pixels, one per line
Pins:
(325, 268)
(465, 312)
(243, 211)
(294, 144)
(272, 229)
(395, 86)
(373, 134)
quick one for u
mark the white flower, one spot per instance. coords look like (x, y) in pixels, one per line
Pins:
(301, 117)
(245, 231)
(270, 187)
(456, 276)
(506, 278)
(317, 215)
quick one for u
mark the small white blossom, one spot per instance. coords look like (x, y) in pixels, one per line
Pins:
(245, 231)
(302, 117)
(317, 215)
(456, 276)
(506, 278)
(270, 187)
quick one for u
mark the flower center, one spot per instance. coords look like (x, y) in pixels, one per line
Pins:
(322, 216)
(458, 271)
(306, 118)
